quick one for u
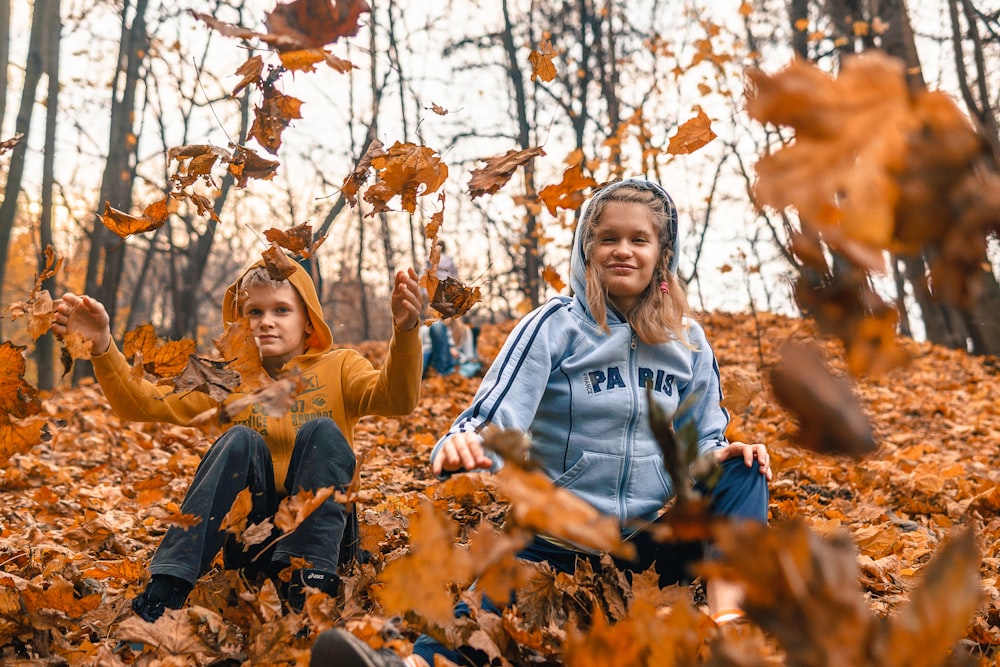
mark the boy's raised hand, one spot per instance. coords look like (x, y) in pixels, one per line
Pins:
(85, 316)
(407, 300)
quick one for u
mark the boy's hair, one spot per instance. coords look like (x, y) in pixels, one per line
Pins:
(257, 277)
(656, 317)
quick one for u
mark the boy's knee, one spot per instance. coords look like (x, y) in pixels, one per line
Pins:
(323, 435)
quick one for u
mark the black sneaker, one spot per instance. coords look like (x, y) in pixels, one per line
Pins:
(295, 591)
(163, 592)
(339, 648)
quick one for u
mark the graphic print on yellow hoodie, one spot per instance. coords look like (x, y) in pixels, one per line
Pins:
(338, 383)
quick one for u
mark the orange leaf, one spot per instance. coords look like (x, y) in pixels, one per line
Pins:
(297, 240)
(568, 193)
(293, 510)
(277, 263)
(124, 225)
(17, 398)
(235, 521)
(552, 277)
(165, 360)
(541, 62)
(238, 345)
(692, 135)
(402, 171)
(18, 437)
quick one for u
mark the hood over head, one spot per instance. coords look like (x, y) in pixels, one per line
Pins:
(668, 236)
(321, 339)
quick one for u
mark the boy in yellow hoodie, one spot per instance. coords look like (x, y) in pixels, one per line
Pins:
(307, 449)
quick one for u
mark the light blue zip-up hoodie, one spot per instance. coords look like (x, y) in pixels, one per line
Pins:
(579, 393)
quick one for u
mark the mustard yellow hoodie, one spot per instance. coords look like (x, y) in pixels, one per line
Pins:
(340, 384)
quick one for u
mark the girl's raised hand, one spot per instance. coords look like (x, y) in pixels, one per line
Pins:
(462, 451)
(748, 454)
(85, 316)
(407, 300)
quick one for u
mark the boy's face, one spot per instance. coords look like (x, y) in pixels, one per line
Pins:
(278, 320)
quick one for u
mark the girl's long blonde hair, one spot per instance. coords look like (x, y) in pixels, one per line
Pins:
(657, 317)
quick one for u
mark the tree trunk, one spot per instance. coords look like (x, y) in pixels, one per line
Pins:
(531, 277)
(4, 56)
(107, 250)
(32, 77)
(45, 346)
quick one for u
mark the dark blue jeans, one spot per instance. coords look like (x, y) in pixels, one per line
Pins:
(740, 494)
(240, 459)
(439, 356)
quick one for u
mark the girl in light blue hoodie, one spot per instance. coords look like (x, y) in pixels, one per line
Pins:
(573, 374)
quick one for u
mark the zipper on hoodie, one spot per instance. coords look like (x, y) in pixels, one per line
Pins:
(635, 397)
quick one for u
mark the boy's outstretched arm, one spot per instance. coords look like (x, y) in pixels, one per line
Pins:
(407, 301)
(85, 316)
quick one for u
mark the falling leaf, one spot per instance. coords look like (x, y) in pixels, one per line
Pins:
(8, 144)
(18, 436)
(438, 109)
(275, 399)
(358, 177)
(166, 360)
(541, 62)
(302, 60)
(246, 164)
(250, 71)
(235, 521)
(453, 299)
(402, 171)
(498, 170)
(830, 417)
(692, 135)
(279, 266)
(568, 193)
(302, 24)
(295, 509)
(17, 398)
(238, 345)
(209, 376)
(298, 239)
(551, 276)
(271, 118)
(124, 225)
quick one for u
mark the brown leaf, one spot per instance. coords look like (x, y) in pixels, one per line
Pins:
(498, 170)
(238, 345)
(302, 24)
(453, 299)
(124, 225)
(297, 240)
(830, 417)
(250, 71)
(271, 118)
(295, 509)
(357, 178)
(8, 144)
(246, 164)
(209, 376)
(406, 170)
(279, 266)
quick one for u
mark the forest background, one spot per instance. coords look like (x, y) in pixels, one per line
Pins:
(815, 175)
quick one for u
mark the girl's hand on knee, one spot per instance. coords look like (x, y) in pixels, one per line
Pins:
(748, 453)
(462, 451)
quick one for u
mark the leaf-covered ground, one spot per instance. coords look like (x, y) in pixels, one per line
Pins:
(82, 513)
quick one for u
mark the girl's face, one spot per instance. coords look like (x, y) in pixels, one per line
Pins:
(279, 321)
(626, 252)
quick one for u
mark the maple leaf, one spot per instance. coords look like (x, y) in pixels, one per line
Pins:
(354, 180)
(250, 71)
(279, 266)
(17, 398)
(124, 225)
(420, 580)
(498, 170)
(541, 62)
(238, 345)
(209, 376)
(297, 240)
(551, 276)
(541, 507)
(19, 436)
(162, 361)
(692, 135)
(302, 24)
(235, 521)
(246, 164)
(453, 299)
(830, 417)
(402, 170)
(271, 118)
(295, 509)
(317, 22)
(8, 144)
(568, 193)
